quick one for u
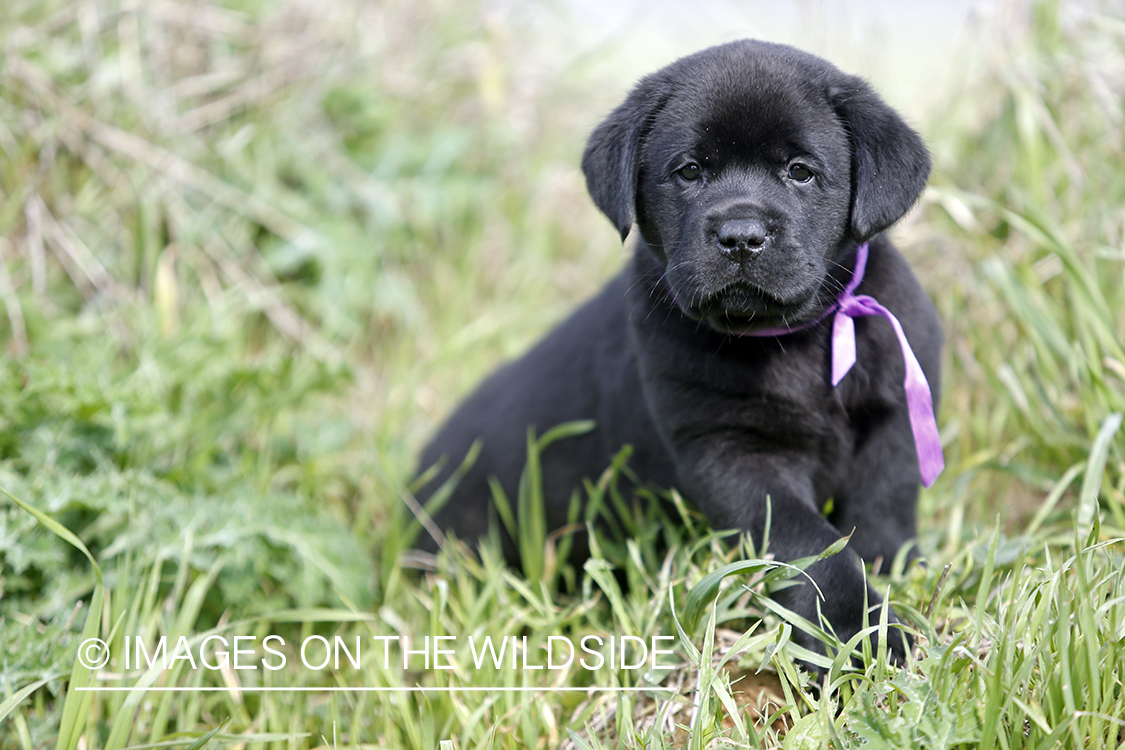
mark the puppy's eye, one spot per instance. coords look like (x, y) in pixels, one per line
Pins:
(690, 172)
(800, 173)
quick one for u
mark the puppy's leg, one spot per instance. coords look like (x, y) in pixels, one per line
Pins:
(736, 489)
(876, 503)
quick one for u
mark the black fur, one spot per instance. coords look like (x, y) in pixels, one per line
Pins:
(744, 243)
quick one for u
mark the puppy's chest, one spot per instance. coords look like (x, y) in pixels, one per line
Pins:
(777, 390)
(759, 388)
(781, 394)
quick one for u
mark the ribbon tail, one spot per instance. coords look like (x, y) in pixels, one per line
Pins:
(923, 424)
(920, 406)
(843, 346)
(919, 399)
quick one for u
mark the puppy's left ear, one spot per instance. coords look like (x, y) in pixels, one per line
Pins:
(612, 159)
(890, 162)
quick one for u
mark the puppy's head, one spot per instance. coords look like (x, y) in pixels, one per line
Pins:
(749, 169)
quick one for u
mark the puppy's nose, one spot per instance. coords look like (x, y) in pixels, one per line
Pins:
(741, 239)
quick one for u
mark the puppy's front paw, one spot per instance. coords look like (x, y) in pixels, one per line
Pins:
(842, 604)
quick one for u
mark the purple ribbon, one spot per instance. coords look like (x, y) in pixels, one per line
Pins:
(919, 401)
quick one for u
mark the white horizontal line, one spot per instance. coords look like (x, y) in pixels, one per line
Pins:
(337, 689)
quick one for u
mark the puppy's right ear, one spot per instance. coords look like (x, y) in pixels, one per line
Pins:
(612, 159)
(890, 162)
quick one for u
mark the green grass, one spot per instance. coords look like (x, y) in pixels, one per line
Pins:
(250, 255)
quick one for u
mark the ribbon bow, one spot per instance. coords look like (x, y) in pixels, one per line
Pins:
(919, 400)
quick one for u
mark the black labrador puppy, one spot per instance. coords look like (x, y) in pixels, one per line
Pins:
(760, 178)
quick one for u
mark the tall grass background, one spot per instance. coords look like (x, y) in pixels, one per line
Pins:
(251, 253)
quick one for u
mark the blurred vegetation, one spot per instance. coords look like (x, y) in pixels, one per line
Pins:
(1028, 212)
(251, 253)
